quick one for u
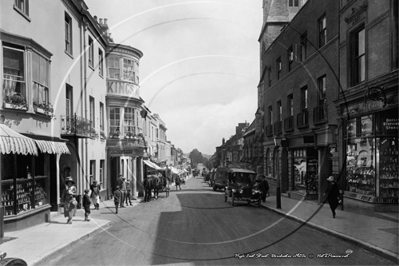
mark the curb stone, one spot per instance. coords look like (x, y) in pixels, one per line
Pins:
(56, 251)
(386, 254)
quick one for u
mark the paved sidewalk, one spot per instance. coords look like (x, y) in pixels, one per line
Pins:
(37, 243)
(374, 234)
(44, 241)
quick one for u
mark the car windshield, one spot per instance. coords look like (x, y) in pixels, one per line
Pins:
(238, 177)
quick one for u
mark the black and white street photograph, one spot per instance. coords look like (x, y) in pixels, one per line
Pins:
(199, 132)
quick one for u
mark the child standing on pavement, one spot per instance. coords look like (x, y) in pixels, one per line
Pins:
(86, 205)
(128, 194)
(117, 198)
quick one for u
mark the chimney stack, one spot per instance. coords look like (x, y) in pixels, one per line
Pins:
(101, 21)
(105, 21)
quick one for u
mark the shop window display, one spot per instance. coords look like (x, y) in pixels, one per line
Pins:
(305, 170)
(21, 189)
(388, 170)
(372, 157)
(360, 166)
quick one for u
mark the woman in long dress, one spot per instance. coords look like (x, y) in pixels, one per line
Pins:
(70, 199)
(332, 193)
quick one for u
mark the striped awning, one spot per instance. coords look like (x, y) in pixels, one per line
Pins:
(52, 147)
(13, 142)
(152, 165)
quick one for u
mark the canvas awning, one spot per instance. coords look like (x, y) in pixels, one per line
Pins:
(174, 170)
(51, 145)
(14, 142)
(152, 165)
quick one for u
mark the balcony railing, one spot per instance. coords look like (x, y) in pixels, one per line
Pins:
(320, 114)
(76, 126)
(289, 124)
(269, 130)
(302, 119)
(278, 127)
(128, 137)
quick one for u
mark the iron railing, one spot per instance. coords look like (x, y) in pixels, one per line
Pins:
(320, 114)
(278, 127)
(302, 120)
(289, 124)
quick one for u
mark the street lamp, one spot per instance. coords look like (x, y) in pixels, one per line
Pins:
(277, 143)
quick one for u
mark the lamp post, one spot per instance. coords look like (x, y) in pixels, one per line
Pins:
(278, 189)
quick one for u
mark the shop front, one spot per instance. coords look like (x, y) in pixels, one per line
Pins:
(28, 179)
(371, 162)
(125, 158)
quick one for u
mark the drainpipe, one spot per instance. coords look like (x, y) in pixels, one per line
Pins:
(85, 95)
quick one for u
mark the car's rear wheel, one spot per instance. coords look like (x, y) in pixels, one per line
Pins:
(214, 188)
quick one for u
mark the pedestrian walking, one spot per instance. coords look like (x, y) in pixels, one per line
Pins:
(86, 204)
(177, 181)
(128, 199)
(332, 193)
(95, 194)
(260, 185)
(70, 202)
(122, 186)
(267, 187)
(117, 198)
(147, 189)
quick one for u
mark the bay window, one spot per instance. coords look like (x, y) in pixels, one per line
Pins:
(113, 67)
(19, 89)
(128, 70)
(13, 71)
(128, 122)
(114, 122)
(40, 80)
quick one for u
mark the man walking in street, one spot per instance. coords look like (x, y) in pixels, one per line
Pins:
(117, 198)
(122, 187)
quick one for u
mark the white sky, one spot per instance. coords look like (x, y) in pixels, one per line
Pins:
(200, 68)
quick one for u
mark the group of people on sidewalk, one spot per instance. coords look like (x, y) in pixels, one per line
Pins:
(122, 194)
(92, 196)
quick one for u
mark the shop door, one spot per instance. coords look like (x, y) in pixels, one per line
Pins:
(114, 172)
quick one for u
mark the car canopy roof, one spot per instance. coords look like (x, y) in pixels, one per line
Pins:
(240, 170)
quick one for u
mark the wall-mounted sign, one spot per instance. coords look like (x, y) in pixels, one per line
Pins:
(123, 88)
(367, 125)
(390, 124)
(121, 152)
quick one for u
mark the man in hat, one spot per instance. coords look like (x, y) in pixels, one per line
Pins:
(95, 194)
(122, 187)
(332, 193)
(70, 202)
(261, 186)
(117, 198)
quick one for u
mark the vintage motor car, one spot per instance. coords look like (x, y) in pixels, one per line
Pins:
(241, 186)
(220, 178)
